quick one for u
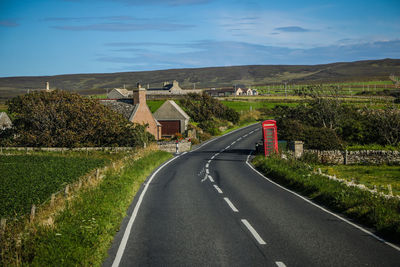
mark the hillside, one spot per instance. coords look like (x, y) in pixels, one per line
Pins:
(208, 77)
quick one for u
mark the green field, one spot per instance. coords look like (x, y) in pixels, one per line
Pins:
(379, 176)
(155, 104)
(3, 108)
(248, 106)
(31, 179)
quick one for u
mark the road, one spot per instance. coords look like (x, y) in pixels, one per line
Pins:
(208, 207)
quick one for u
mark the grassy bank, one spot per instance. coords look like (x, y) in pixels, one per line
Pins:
(80, 232)
(371, 210)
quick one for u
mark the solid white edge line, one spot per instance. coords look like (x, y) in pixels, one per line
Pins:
(211, 179)
(327, 211)
(231, 204)
(253, 232)
(280, 264)
(218, 189)
(128, 228)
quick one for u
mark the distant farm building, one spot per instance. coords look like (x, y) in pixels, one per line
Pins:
(118, 93)
(136, 111)
(172, 118)
(231, 92)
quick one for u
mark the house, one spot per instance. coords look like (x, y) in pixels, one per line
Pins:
(173, 88)
(137, 111)
(5, 121)
(172, 118)
(220, 92)
(118, 93)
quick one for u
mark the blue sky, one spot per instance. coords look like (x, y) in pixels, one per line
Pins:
(49, 37)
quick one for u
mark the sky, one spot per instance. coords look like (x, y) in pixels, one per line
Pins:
(51, 37)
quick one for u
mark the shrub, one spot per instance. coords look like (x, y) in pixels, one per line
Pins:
(63, 119)
(322, 139)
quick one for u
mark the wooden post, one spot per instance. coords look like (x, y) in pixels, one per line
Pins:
(3, 224)
(33, 211)
(319, 171)
(97, 173)
(66, 191)
(390, 190)
(53, 196)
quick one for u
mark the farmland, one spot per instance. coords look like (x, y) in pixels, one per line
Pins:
(31, 179)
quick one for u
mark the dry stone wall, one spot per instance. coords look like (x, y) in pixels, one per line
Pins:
(357, 157)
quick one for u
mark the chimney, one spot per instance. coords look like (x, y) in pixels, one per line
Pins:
(139, 95)
(47, 86)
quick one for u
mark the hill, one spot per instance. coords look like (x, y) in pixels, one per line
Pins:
(208, 77)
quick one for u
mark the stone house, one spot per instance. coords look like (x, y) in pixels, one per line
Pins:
(118, 93)
(172, 118)
(136, 111)
(5, 121)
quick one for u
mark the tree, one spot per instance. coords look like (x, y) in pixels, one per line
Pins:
(63, 119)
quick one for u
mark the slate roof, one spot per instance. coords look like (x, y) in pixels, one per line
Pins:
(5, 121)
(170, 110)
(127, 110)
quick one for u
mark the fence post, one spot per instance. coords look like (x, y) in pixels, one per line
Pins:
(390, 190)
(97, 173)
(3, 224)
(33, 211)
(66, 191)
(53, 196)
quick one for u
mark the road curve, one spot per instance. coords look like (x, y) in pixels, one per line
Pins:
(209, 208)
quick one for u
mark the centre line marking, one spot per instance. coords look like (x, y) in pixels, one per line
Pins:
(211, 179)
(207, 165)
(205, 178)
(231, 205)
(253, 232)
(218, 189)
(213, 157)
(280, 264)
(207, 171)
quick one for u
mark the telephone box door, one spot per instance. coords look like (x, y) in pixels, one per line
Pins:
(270, 137)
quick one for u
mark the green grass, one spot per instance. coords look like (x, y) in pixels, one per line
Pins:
(155, 104)
(84, 230)
(380, 176)
(371, 210)
(3, 108)
(247, 106)
(372, 147)
(31, 179)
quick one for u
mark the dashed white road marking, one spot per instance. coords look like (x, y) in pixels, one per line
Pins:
(213, 157)
(218, 189)
(207, 165)
(231, 204)
(280, 264)
(253, 232)
(207, 171)
(209, 161)
(211, 179)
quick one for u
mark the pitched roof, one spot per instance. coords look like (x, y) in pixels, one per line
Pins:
(170, 110)
(127, 110)
(5, 121)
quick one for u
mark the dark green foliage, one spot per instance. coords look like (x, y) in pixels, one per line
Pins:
(27, 180)
(62, 119)
(372, 210)
(204, 108)
(322, 139)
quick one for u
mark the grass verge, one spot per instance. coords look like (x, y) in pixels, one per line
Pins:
(80, 233)
(371, 210)
(372, 175)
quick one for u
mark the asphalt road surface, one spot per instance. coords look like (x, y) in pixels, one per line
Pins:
(208, 207)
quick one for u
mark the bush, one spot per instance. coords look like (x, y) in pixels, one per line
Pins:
(63, 119)
(322, 139)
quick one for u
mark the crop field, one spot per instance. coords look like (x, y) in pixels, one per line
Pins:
(380, 176)
(31, 179)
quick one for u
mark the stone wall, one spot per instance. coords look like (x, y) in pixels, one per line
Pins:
(357, 157)
(170, 147)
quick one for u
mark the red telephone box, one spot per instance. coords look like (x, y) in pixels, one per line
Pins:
(270, 137)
